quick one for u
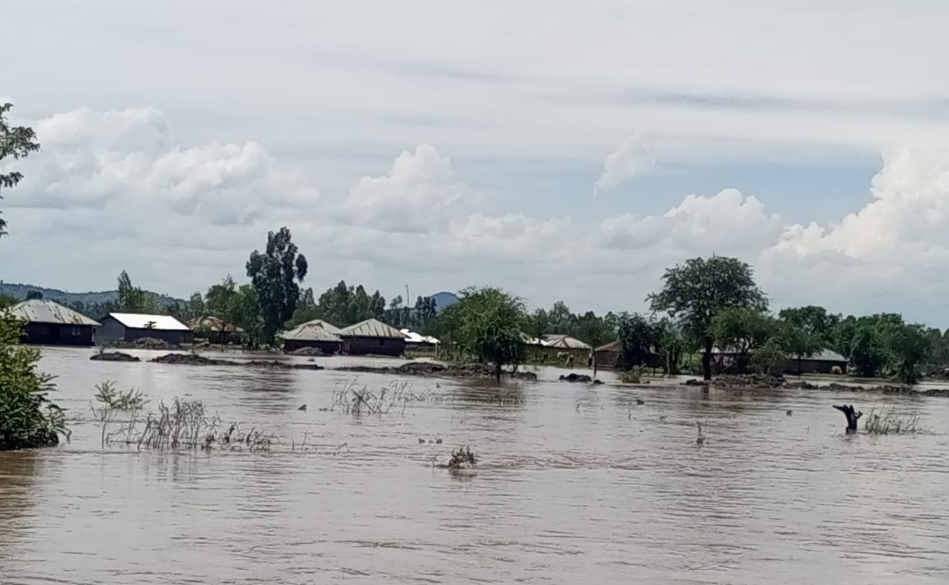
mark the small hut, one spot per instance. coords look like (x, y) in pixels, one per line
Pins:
(130, 327)
(316, 335)
(822, 362)
(215, 330)
(565, 349)
(609, 356)
(50, 323)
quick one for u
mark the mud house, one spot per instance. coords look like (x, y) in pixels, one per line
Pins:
(609, 356)
(130, 327)
(372, 337)
(316, 334)
(50, 323)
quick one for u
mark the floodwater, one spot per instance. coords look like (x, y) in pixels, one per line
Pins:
(572, 486)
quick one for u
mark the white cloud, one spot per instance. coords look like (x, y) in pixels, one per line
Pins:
(413, 196)
(636, 155)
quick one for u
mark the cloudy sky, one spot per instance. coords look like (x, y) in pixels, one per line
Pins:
(562, 150)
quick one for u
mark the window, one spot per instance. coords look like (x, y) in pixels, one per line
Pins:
(75, 331)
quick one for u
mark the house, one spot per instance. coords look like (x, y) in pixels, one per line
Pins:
(215, 330)
(565, 349)
(417, 342)
(50, 323)
(609, 356)
(822, 362)
(317, 334)
(372, 337)
(132, 326)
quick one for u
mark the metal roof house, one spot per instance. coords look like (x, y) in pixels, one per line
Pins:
(50, 323)
(372, 337)
(822, 362)
(133, 326)
(315, 334)
(215, 330)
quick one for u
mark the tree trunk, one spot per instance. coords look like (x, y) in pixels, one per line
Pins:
(852, 417)
(497, 373)
(707, 360)
(800, 358)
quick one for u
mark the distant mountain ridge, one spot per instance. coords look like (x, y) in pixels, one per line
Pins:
(444, 299)
(19, 291)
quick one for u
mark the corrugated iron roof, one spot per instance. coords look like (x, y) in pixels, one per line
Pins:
(158, 322)
(372, 328)
(47, 311)
(413, 337)
(325, 325)
(613, 346)
(564, 342)
(827, 355)
(311, 331)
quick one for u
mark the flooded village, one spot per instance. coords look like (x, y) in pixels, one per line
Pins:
(490, 292)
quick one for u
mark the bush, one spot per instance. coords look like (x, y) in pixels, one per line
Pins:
(27, 418)
(632, 375)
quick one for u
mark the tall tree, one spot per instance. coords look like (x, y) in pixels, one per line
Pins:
(133, 299)
(247, 315)
(487, 323)
(638, 337)
(275, 275)
(742, 330)
(223, 303)
(17, 142)
(694, 293)
(815, 321)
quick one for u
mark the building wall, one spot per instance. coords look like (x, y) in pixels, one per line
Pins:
(111, 330)
(813, 366)
(55, 334)
(373, 346)
(327, 347)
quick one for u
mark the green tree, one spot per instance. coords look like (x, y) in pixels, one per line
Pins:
(487, 323)
(275, 274)
(866, 352)
(7, 300)
(798, 341)
(27, 417)
(639, 339)
(538, 324)
(742, 330)
(907, 348)
(17, 142)
(247, 315)
(223, 302)
(813, 320)
(694, 293)
(133, 299)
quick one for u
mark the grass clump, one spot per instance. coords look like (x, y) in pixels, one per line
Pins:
(887, 422)
(633, 375)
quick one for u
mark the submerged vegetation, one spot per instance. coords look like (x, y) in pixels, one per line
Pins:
(886, 422)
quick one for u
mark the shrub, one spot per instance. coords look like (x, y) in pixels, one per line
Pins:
(27, 417)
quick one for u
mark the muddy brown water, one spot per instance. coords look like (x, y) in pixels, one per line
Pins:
(573, 486)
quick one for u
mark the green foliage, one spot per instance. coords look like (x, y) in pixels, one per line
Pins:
(17, 142)
(27, 417)
(798, 341)
(133, 299)
(769, 358)
(487, 324)
(694, 293)
(816, 322)
(343, 306)
(223, 302)
(639, 340)
(109, 396)
(633, 375)
(742, 330)
(7, 301)
(587, 327)
(186, 311)
(275, 275)
(247, 315)
(907, 347)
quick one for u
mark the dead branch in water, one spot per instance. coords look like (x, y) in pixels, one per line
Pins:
(852, 416)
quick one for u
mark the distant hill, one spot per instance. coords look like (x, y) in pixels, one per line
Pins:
(443, 300)
(62, 297)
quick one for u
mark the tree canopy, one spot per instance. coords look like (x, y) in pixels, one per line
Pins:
(276, 274)
(16, 142)
(695, 292)
(487, 323)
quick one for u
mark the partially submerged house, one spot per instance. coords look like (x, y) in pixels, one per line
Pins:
(130, 327)
(565, 349)
(316, 334)
(609, 356)
(822, 362)
(50, 323)
(215, 330)
(418, 342)
(372, 337)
